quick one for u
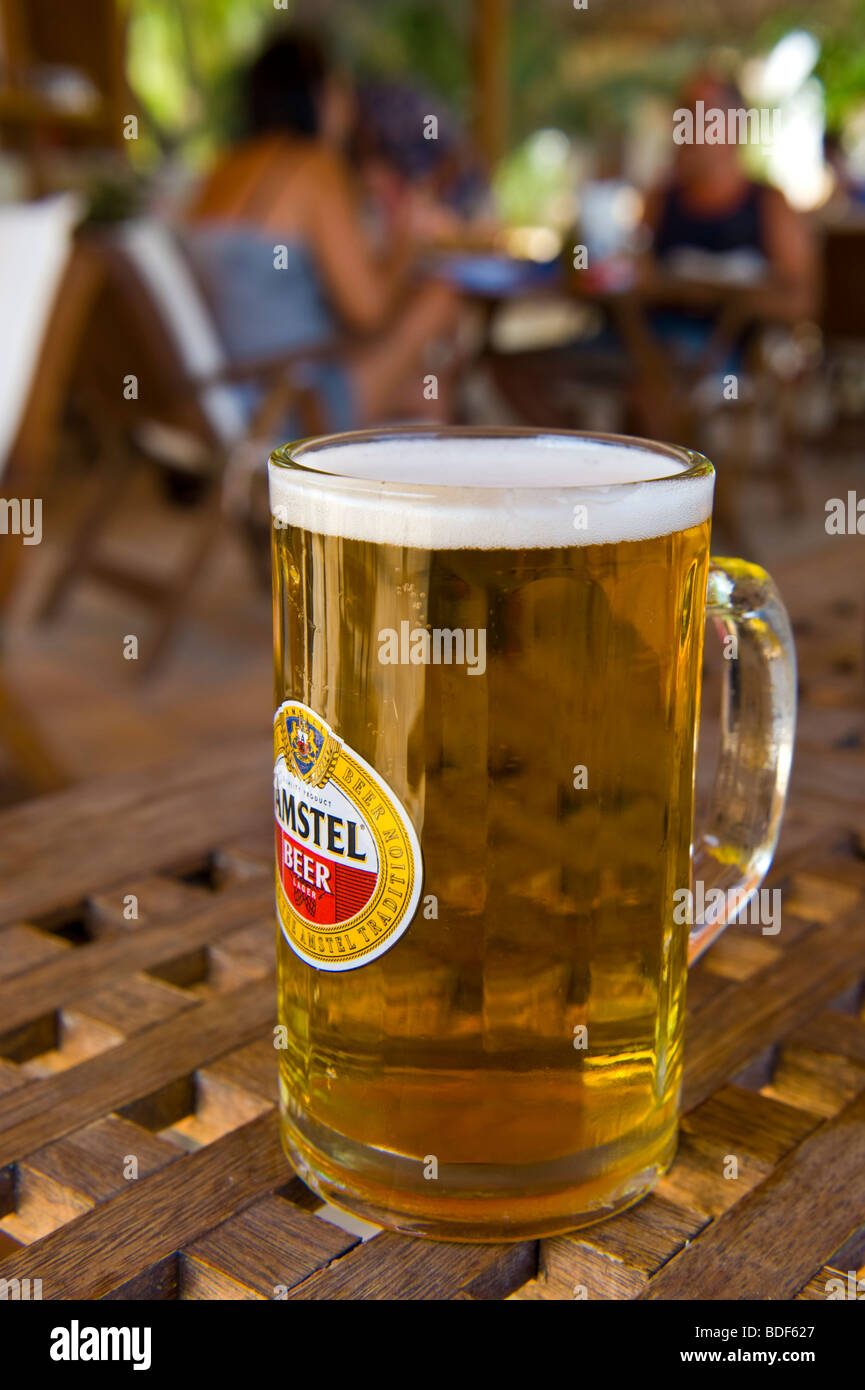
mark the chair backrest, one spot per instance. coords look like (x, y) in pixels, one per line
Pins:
(163, 270)
(35, 242)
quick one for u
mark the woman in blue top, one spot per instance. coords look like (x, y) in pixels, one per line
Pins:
(278, 236)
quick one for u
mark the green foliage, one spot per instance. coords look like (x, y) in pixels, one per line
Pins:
(554, 83)
(404, 38)
(525, 191)
(841, 68)
(185, 57)
(839, 26)
(114, 199)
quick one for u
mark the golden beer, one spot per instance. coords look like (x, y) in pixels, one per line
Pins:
(490, 691)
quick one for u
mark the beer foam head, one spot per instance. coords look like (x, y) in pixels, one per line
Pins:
(457, 492)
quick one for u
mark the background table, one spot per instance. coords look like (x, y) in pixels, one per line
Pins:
(150, 1040)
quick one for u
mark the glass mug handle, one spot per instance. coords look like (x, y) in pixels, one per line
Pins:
(758, 722)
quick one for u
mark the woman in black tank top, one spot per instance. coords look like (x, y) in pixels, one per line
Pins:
(736, 228)
(711, 207)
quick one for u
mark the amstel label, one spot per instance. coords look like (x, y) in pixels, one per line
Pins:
(348, 862)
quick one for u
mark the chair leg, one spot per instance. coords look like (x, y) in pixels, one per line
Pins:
(731, 476)
(178, 591)
(30, 757)
(108, 487)
(256, 538)
(789, 471)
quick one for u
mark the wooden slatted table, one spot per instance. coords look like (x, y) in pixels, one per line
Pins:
(139, 1152)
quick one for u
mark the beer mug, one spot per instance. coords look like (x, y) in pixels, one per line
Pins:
(488, 664)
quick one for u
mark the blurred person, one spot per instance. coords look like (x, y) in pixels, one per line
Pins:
(406, 140)
(277, 234)
(712, 208)
(710, 221)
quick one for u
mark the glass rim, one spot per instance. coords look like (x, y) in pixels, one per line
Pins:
(290, 456)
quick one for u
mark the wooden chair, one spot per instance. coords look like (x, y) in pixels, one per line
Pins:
(154, 324)
(47, 286)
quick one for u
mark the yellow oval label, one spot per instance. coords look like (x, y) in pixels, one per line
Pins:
(348, 861)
